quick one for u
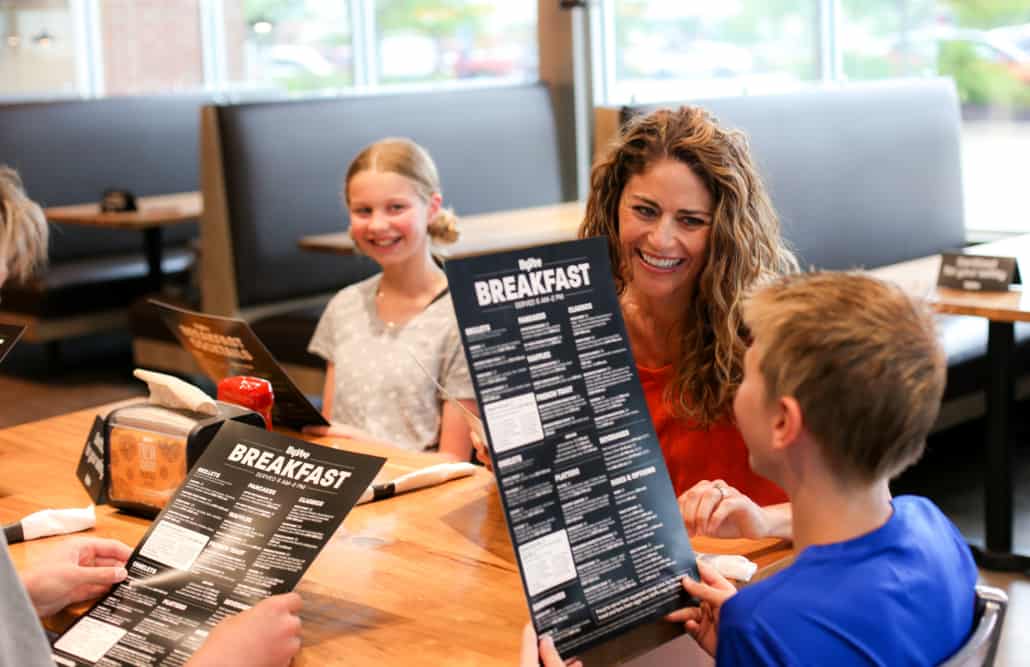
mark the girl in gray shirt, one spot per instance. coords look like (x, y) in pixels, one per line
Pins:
(391, 342)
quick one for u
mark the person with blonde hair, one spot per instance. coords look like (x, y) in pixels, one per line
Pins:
(842, 383)
(690, 229)
(391, 342)
(23, 237)
(81, 568)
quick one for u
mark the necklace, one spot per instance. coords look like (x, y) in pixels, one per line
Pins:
(390, 324)
(408, 307)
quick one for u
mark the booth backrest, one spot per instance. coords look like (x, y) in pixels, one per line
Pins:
(274, 171)
(69, 152)
(862, 176)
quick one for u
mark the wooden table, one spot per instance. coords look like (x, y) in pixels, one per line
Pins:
(152, 214)
(482, 234)
(1002, 310)
(427, 578)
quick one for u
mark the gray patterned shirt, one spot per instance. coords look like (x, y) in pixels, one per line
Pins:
(379, 388)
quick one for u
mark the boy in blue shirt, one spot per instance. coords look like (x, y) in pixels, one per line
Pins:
(842, 383)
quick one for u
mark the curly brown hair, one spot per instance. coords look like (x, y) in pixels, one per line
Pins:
(745, 247)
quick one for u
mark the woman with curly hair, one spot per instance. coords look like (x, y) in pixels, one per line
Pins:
(690, 230)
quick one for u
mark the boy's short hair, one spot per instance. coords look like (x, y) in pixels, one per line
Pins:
(863, 361)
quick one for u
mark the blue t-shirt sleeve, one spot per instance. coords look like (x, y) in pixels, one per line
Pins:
(745, 639)
(747, 646)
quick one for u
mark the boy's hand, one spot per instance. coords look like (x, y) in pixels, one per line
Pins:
(541, 653)
(703, 622)
(266, 635)
(77, 569)
(717, 509)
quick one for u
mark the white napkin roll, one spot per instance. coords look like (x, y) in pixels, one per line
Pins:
(731, 566)
(417, 479)
(57, 522)
(171, 392)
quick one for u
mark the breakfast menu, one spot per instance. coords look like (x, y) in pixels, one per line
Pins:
(224, 346)
(590, 508)
(254, 512)
(9, 335)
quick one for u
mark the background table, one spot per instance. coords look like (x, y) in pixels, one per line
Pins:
(427, 578)
(151, 215)
(1002, 310)
(486, 233)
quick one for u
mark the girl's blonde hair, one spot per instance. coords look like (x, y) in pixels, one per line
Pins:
(744, 246)
(23, 237)
(408, 159)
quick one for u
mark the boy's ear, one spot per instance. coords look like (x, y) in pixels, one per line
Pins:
(788, 423)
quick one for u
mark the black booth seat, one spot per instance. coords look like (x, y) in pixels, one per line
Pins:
(70, 152)
(965, 341)
(75, 287)
(287, 336)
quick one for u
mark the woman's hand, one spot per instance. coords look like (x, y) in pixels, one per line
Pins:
(77, 569)
(717, 509)
(702, 623)
(543, 652)
(266, 635)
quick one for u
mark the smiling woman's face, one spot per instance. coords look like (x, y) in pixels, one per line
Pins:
(665, 218)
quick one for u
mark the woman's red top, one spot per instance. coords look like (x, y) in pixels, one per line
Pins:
(693, 454)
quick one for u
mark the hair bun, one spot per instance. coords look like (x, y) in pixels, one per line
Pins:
(444, 226)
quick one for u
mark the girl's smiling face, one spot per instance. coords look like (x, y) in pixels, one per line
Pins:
(665, 219)
(389, 218)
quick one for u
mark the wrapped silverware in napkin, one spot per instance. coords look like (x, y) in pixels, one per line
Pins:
(417, 479)
(45, 523)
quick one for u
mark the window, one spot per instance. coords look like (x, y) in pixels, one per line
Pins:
(38, 51)
(985, 48)
(290, 46)
(150, 46)
(657, 50)
(88, 48)
(440, 40)
(364, 44)
(667, 49)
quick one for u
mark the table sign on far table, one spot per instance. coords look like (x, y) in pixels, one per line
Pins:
(426, 578)
(1002, 310)
(152, 214)
(482, 234)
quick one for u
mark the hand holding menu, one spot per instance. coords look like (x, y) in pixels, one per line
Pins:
(254, 512)
(592, 514)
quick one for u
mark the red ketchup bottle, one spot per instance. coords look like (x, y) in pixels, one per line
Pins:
(249, 392)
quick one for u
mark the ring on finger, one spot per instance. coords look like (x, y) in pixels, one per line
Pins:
(721, 489)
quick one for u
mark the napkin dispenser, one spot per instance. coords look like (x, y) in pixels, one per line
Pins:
(149, 449)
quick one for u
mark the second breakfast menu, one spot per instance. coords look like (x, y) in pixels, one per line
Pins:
(248, 521)
(590, 508)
